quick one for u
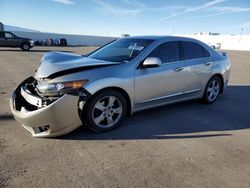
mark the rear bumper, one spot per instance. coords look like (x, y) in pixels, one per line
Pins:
(55, 119)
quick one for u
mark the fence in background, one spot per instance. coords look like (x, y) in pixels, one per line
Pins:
(227, 42)
(73, 40)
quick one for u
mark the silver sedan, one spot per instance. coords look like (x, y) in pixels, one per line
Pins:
(125, 76)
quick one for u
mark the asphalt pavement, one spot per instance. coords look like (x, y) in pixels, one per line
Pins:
(181, 145)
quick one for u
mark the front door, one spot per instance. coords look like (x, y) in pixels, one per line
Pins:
(10, 40)
(165, 81)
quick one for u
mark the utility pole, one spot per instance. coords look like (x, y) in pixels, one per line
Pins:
(1, 26)
(173, 31)
(241, 33)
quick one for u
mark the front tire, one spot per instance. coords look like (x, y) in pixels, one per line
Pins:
(25, 46)
(105, 111)
(212, 90)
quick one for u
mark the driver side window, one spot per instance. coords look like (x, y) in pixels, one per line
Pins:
(167, 52)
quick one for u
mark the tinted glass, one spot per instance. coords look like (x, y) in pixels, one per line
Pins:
(122, 50)
(9, 35)
(1, 35)
(205, 53)
(193, 50)
(167, 52)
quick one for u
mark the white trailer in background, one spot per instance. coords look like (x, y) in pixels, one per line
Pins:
(225, 42)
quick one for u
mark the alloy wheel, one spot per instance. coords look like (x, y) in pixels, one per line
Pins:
(107, 111)
(26, 47)
(213, 90)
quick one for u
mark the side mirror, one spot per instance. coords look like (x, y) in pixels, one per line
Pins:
(151, 62)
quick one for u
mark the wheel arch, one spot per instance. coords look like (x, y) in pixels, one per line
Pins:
(123, 92)
(24, 42)
(222, 81)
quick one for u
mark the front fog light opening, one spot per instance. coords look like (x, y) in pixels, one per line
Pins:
(45, 128)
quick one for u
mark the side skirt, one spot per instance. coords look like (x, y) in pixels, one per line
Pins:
(167, 100)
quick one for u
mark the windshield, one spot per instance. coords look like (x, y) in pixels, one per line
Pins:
(122, 50)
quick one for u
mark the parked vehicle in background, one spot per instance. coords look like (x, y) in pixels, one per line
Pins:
(8, 39)
(123, 77)
(39, 43)
(63, 42)
(52, 42)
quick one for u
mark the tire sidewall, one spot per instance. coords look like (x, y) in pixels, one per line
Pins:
(86, 114)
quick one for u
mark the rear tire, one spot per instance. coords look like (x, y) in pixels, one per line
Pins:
(212, 90)
(105, 111)
(25, 46)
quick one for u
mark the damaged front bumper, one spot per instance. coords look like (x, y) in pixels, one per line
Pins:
(59, 117)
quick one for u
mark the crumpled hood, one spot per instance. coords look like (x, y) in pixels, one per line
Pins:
(54, 62)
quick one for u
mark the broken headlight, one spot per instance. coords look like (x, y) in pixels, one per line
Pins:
(52, 89)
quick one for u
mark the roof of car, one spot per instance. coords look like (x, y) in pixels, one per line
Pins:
(159, 37)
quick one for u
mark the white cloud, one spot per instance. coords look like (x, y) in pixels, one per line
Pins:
(165, 8)
(220, 11)
(117, 9)
(133, 7)
(196, 8)
(206, 5)
(230, 9)
(134, 3)
(66, 2)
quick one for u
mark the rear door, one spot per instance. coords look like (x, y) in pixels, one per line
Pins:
(198, 62)
(164, 81)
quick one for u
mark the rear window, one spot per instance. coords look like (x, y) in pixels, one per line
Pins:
(193, 50)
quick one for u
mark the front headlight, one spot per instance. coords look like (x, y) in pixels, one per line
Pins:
(59, 88)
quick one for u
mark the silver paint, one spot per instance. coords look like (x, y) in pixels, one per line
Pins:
(146, 87)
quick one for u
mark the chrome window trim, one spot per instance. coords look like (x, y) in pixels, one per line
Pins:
(161, 42)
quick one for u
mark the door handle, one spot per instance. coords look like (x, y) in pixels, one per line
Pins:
(208, 63)
(178, 69)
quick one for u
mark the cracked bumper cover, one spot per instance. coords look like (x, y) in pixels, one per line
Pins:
(59, 117)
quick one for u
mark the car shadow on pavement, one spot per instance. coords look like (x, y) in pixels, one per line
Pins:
(190, 119)
(6, 117)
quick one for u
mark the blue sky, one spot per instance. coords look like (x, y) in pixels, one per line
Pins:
(136, 17)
